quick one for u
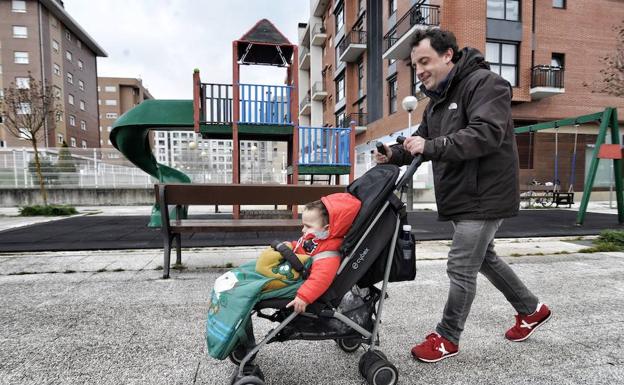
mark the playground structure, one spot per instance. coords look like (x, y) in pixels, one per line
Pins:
(241, 112)
(602, 150)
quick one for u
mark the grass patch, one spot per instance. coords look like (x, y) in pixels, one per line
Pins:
(47, 211)
(608, 240)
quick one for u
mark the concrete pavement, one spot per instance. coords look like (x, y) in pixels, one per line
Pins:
(108, 318)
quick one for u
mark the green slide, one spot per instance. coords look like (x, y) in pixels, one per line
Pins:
(130, 135)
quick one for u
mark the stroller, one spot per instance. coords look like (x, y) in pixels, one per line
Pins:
(349, 312)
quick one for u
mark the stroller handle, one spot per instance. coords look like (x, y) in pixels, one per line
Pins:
(411, 169)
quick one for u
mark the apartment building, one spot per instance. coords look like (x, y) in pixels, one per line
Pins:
(355, 66)
(40, 37)
(115, 97)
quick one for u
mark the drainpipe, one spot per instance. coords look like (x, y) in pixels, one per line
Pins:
(43, 78)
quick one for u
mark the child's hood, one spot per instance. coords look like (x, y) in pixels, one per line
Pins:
(342, 209)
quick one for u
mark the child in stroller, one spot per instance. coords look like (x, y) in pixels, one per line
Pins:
(350, 308)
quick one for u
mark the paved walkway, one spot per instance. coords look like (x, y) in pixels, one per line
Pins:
(108, 318)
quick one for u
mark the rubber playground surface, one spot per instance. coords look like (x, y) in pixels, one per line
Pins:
(131, 232)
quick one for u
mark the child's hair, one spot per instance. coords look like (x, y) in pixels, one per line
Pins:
(318, 205)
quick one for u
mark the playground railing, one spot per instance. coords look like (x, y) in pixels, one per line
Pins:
(324, 146)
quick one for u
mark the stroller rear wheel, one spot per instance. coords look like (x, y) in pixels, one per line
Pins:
(349, 345)
(249, 380)
(251, 375)
(382, 372)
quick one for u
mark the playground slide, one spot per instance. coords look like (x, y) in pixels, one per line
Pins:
(130, 135)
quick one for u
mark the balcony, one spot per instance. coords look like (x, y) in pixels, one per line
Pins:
(352, 46)
(319, 7)
(319, 93)
(319, 34)
(324, 146)
(546, 81)
(360, 119)
(305, 106)
(398, 40)
(305, 39)
(304, 59)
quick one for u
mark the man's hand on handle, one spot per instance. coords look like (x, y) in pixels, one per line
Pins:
(414, 144)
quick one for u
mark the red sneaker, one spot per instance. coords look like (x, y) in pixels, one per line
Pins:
(434, 348)
(527, 324)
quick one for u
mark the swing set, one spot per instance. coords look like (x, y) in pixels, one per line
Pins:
(546, 195)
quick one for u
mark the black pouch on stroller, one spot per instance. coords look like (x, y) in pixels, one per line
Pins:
(404, 260)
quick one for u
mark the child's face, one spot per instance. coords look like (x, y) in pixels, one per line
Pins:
(312, 221)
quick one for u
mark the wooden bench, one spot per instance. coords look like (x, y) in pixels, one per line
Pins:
(183, 195)
(546, 195)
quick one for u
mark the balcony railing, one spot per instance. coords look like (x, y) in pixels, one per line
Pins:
(259, 104)
(420, 14)
(360, 119)
(352, 46)
(304, 105)
(547, 76)
(319, 34)
(324, 146)
(319, 92)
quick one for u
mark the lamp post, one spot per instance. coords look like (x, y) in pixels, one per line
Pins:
(409, 104)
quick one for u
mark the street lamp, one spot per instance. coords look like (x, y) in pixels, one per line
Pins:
(409, 104)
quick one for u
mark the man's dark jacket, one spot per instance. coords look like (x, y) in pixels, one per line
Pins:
(471, 143)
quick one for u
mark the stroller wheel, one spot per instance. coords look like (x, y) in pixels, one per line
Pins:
(382, 372)
(239, 353)
(368, 359)
(251, 372)
(249, 380)
(349, 345)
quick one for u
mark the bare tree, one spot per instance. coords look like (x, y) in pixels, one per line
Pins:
(612, 74)
(25, 108)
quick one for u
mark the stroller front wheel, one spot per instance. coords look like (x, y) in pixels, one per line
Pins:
(239, 353)
(382, 372)
(348, 345)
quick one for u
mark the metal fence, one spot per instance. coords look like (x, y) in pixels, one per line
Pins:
(106, 168)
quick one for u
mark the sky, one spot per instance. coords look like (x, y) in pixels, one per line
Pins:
(162, 41)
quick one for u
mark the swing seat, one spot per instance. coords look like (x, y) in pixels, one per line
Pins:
(610, 151)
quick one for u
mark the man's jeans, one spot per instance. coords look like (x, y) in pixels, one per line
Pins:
(472, 251)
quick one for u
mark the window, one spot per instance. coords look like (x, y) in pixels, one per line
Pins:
(392, 7)
(20, 57)
(24, 133)
(340, 20)
(68, 55)
(110, 89)
(392, 94)
(110, 102)
(20, 32)
(57, 92)
(340, 119)
(361, 78)
(79, 43)
(82, 105)
(503, 9)
(340, 88)
(83, 125)
(81, 85)
(416, 83)
(22, 83)
(557, 60)
(23, 109)
(67, 35)
(111, 115)
(55, 46)
(70, 78)
(70, 99)
(84, 144)
(59, 139)
(53, 21)
(338, 53)
(80, 65)
(559, 4)
(503, 59)
(18, 6)
(72, 121)
(72, 142)
(59, 116)
(361, 6)
(57, 69)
